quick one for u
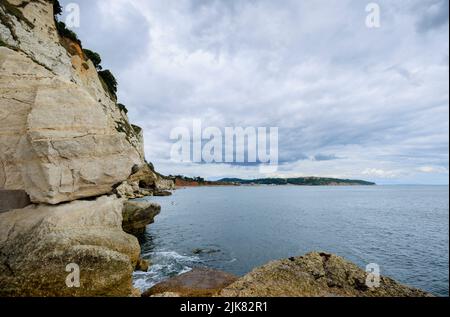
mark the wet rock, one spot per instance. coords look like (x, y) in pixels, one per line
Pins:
(200, 282)
(205, 251)
(162, 193)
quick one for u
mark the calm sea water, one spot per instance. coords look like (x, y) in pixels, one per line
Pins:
(404, 229)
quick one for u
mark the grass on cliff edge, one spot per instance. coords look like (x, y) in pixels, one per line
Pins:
(63, 31)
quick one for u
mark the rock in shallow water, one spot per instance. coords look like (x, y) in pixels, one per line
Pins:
(314, 275)
(200, 282)
(137, 215)
(143, 265)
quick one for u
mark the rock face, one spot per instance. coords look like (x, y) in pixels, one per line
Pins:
(145, 181)
(62, 136)
(200, 282)
(131, 191)
(138, 215)
(143, 265)
(314, 275)
(38, 242)
(13, 199)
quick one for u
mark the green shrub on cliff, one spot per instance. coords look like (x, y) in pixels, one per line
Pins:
(110, 81)
(122, 107)
(61, 27)
(63, 31)
(57, 8)
(94, 57)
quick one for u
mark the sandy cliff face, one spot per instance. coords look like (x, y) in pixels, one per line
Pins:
(62, 139)
(62, 136)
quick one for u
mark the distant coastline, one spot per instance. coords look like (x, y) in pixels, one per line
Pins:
(183, 181)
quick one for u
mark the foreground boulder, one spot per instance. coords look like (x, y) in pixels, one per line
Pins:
(137, 215)
(314, 275)
(200, 282)
(37, 244)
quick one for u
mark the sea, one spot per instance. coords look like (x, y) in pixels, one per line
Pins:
(404, 230)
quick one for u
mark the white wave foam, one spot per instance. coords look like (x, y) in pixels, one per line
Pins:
(165, 264)
(186, 269)
(171, 255)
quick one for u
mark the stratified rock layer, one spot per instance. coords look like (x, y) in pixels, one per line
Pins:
(314, 275)
(138, 215)
(145, 181)
(56, 142)
(38, 242)
(62, 136)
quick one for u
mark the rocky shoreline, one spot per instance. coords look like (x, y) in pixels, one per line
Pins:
(69, 165)
(316, 274)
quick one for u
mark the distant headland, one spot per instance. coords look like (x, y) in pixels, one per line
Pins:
(183, 181)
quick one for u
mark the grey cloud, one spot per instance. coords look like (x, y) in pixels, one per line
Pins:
(401, 71)
(378, 98)
(435, 15)
(119, 42)
(326, 157)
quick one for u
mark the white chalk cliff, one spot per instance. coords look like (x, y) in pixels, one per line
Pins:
(63, 140)
(61, 133)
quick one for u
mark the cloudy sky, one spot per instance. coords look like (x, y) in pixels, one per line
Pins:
(349, 101)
